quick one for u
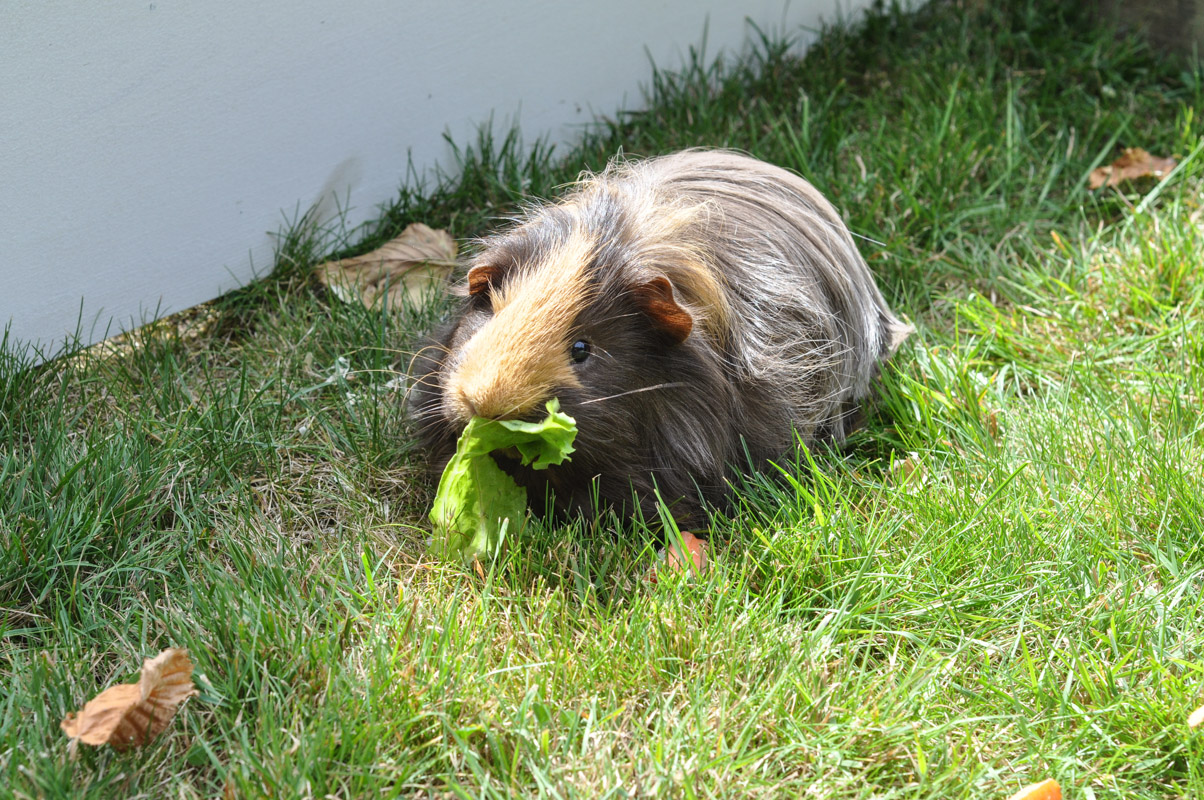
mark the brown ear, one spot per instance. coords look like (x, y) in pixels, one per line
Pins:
(656, 299)
(482, 277)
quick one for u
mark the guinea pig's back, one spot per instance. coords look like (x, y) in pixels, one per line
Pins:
(808, 326)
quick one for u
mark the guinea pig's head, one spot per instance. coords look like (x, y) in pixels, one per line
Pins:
(556, 314)
(589, 308)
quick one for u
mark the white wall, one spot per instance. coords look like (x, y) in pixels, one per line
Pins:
(147, 150)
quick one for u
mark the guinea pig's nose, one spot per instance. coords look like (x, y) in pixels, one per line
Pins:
(489, 403)
(485, 390)
(468, 407)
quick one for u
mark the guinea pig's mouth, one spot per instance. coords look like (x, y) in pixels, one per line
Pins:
(509, 459)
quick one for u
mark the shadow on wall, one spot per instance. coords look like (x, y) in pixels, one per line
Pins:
(1177, 24)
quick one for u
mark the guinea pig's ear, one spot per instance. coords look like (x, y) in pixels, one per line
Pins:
(655, 298)
(482, 278)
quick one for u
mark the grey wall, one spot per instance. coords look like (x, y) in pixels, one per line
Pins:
(150, 149)
(1177, 24)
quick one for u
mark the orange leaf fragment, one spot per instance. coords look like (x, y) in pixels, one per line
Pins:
(695, 547)
(1047, 789)
(902, 470)
(1134, 162)
(131, 714)
(409, 265)
(1196, 718)
(674, 561)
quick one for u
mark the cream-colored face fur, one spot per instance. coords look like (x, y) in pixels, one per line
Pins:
(518, 359)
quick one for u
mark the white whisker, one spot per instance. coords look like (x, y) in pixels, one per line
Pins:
(632, 391)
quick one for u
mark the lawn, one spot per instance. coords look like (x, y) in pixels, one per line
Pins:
(996, 581)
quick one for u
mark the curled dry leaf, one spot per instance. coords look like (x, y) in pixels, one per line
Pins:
(1134, 162)
(1197, 718)
(410, 265)
(1047, 789)
(675, 561)
(131, 714)
(695, 547)
(902, 470)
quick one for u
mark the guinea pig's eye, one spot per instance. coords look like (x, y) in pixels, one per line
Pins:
(579, 351)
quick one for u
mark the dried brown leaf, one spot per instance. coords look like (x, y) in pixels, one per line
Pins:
(1134, 162)
(1047, 789)
(131, 714)
(902, 470)
(697, 550)
(675, 561)
(410, 265)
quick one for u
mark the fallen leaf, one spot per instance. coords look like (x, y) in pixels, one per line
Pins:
(675, 561)
(1196, 718)
(131, 714)
(695, 547)
(1047, 789)
(902, 470)
(408, 266)
(1134, 162)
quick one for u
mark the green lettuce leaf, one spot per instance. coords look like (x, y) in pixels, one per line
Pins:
(477, 504)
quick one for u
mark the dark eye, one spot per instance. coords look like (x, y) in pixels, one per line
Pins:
(579, 351)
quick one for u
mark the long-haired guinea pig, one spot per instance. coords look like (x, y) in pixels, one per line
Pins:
(692, 312)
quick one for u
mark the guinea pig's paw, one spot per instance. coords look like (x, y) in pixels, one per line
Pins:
(673, 560)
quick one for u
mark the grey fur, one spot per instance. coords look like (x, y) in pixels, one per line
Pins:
(809, 321)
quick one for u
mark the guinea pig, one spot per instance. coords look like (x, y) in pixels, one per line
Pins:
(693, 313)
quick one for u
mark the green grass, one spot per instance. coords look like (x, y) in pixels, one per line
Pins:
(998, 580)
